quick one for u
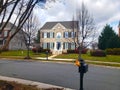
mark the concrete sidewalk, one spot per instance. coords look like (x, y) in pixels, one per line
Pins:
(73, 60)
(28, 82)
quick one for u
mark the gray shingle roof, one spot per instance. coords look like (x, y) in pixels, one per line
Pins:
(9, 25)
(66, 24)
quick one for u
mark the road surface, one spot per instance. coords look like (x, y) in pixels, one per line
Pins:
(61, 74)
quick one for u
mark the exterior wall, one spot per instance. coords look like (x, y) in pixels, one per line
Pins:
(58, 28)
(17, 42)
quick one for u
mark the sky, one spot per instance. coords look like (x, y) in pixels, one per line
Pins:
(103, 11)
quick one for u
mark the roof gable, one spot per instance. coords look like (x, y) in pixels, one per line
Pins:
(66, 24)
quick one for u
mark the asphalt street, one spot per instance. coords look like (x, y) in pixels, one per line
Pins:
(61, 74)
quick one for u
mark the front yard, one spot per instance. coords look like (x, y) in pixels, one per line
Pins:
(108, 58)
(20, 54)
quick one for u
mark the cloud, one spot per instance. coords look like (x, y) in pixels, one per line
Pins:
(103, 11)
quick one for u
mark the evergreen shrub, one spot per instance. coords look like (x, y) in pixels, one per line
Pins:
(113, 51)
(98, 53)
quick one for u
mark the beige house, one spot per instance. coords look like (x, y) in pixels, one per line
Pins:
(58, 36)
(17, 42)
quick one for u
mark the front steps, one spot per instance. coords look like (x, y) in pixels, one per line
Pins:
(56, 52)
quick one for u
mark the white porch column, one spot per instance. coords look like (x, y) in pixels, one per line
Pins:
(55, 46)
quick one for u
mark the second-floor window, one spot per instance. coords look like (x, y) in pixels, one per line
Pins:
(5, 33)
(48, 35)
(58, 36)
(45, 34)
(66, 35)
(51, 34)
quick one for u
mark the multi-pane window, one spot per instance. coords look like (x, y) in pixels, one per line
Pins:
(72, 34)
(48, 35)
(51, 34)
(45, 34)
(65, 45)
(51, 45)
(48, 45)
(72, 46)
(58, 35)
(5, 33)
(44, 45)
(66, 34)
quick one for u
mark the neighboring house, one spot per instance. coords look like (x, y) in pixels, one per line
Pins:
(119, 29)
(58, 36)
(17, 42)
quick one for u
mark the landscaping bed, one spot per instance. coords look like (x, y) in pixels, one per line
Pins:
(5, 85)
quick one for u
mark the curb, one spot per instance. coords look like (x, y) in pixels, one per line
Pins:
(28, 82)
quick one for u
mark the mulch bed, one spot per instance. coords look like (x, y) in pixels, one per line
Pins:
(4, 85)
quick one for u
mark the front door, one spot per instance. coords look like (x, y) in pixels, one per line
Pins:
(58, 45)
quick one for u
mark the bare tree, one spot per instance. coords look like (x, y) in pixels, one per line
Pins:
(86, 28)
(21, 9)
(30, 28)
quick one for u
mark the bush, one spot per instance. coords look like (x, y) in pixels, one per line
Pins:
(114, 51)
(99, 53)
(70, 51)
(44, 50)
(84, 51)
(37, 49)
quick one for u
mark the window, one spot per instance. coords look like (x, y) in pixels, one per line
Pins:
(66, 34)
(72, 46)
(51, 45)
(48, 45)
(69, 45)
(44, 45)
(1, 41)
(58, 35)
(65, 45)
(72, 34)
(45, 35)
(51, 34)
(5, 33)
(48, 35)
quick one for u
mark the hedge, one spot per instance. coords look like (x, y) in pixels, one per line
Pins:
(84, 51)
(99, 53)
(113, 51)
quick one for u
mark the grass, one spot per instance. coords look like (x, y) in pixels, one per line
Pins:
(108, 58)
(6, 85)
(20, 54)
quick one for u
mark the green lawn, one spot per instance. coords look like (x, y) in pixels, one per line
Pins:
(20, 54)
(108, 58)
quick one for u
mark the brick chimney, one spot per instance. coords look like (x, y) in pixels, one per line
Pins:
(119, 29)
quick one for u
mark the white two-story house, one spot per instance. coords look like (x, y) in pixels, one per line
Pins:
(58, 36)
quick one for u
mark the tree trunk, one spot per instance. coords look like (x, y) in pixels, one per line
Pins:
(5, 46)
